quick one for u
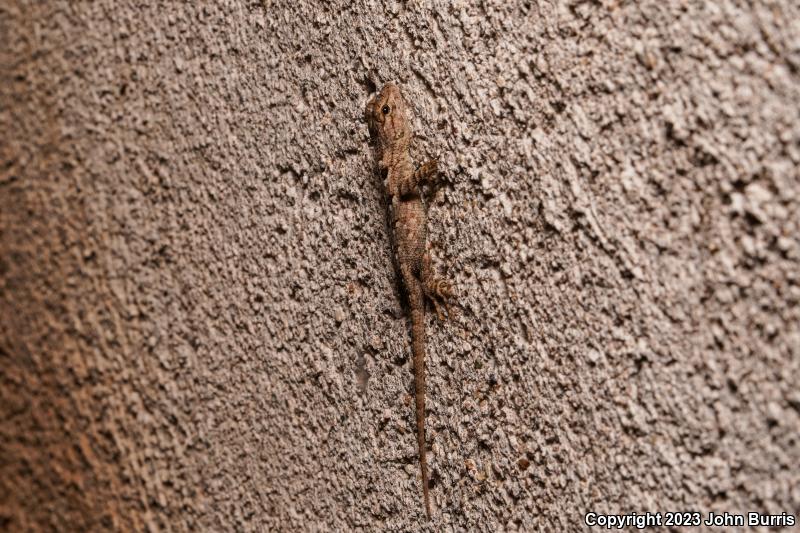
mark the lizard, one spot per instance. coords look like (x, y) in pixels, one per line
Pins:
(388, 120)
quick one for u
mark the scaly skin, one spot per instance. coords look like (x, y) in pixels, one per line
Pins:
(386, 114)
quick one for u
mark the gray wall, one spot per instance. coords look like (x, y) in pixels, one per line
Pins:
(202, 326)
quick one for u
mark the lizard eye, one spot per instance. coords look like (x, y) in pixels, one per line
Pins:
(385, 110)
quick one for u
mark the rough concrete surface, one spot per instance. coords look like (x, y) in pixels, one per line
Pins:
(201, 323)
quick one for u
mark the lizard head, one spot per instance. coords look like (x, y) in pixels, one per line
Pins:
(386, 115)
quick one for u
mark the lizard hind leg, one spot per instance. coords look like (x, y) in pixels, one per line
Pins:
(437, 289)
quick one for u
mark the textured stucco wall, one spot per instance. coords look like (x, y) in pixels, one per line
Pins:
(201, 326)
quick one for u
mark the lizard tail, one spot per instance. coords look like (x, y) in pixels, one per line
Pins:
(418, 349)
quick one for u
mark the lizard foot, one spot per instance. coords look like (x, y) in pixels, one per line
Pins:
(439, 290)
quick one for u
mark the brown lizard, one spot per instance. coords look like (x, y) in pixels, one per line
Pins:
(386, 114)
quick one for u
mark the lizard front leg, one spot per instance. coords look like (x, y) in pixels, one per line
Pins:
(409, 182)
(427, 172)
